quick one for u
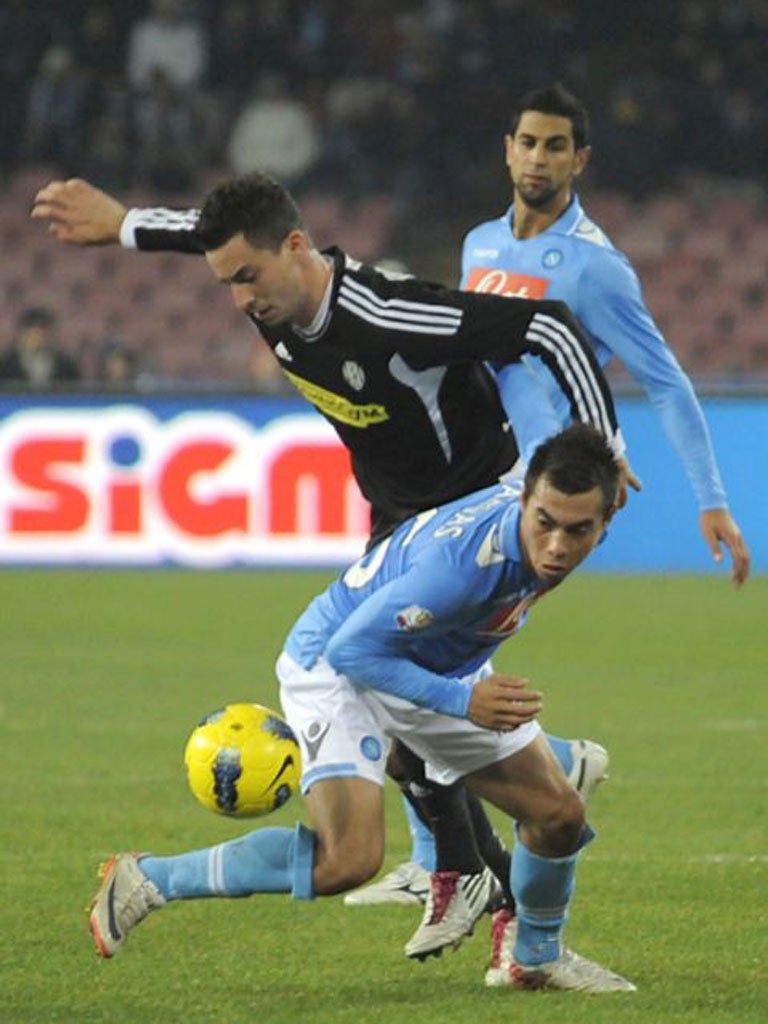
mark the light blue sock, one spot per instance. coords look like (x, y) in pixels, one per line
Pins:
(267, 860)
(423, 843)
(562, 751)
(542, 887)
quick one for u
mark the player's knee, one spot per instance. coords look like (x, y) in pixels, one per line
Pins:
(557, 829)
(566, 831)
(341, 869)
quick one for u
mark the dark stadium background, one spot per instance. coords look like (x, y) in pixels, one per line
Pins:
(106, 670)
(405, 105)
(386, 120)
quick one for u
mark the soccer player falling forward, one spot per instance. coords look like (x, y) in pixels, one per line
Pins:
(399, 646)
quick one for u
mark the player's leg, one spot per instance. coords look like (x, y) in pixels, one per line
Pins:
(518, 772)
(347, 848)
(531, 787)
(585, 764)
(461, 885)
(441, 810)
(343, 778)
(348, 820)
(343, 848)
(493, 850)
(408, 883)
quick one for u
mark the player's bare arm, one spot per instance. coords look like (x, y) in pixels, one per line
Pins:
(503, 703)
(79, 213)
(718, 527)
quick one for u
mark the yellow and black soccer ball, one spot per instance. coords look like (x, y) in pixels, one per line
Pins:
(243, 761)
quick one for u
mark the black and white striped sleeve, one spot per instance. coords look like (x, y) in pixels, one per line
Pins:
(506, 328)
(400, 315)
(556, 338)
(161, 229)
(433, 326)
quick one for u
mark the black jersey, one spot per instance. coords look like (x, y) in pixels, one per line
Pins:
(398, 367)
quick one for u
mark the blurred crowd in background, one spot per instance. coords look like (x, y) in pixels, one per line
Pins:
(386, 120)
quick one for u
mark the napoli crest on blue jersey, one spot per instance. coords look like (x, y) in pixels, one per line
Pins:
(551, 258)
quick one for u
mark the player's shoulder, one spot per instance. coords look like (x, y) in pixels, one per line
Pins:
(601, 260)
(367, 282)
(465, 520)
(484, 240)
(592, 240)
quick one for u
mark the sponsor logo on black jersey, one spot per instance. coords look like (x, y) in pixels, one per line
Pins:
(336, 407)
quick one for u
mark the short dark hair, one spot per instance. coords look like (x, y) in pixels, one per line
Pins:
(555, 99)
(574, 461)
(254, 205)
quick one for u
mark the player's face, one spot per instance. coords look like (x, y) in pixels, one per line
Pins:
(557, 530)
(267, 284)
(543, 160)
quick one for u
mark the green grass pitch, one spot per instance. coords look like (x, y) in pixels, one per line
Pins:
(104, 673)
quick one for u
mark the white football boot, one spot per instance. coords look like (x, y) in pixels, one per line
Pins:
(124, 899)
(503, 935)
(590, 766)
(569, 973)
(454, 904)
(406, 885)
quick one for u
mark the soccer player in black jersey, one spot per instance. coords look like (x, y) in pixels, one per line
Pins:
(400, 368)
(396, 365)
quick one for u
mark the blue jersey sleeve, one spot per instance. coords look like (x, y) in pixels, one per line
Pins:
(527, 403)
(374, 647)
(612, 310)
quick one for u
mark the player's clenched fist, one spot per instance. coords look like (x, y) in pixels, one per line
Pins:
(78, 212)
(503, 703)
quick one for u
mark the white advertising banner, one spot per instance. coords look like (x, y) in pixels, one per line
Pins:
(135, 484)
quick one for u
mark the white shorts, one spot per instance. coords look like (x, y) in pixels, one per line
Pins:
(345, 731)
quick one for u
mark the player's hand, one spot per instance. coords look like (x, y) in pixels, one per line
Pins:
(79, 213)
(503, 702)
(626, 479)
(718, 527)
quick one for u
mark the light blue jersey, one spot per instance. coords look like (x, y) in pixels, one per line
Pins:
(428, 605)
(574, 261)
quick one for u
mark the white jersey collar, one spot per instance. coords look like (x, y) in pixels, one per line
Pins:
(320, 320)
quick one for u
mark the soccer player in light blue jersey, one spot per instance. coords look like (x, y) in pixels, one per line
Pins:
(399, 647)
(546, 245)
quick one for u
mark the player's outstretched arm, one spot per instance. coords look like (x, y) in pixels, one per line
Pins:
(718, 527)
(79, 213)
(503, 703)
